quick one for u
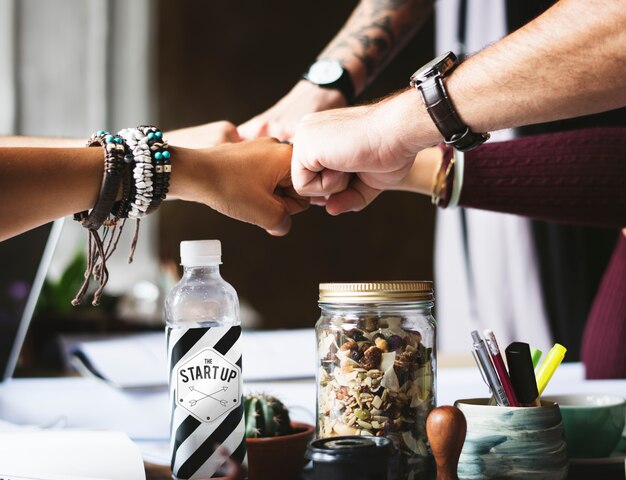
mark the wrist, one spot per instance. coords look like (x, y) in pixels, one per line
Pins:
(186, 164)
(423, 172)
(407, 121)
(321, 98)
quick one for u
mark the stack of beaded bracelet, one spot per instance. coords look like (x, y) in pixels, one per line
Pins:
(152, 169)
(137, 160)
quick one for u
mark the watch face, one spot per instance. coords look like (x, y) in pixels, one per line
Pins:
(324, 72)
(440, 65)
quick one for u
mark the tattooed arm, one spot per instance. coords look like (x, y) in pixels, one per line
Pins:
(372, 36)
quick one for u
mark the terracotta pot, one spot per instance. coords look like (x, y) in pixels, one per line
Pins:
(279, 458)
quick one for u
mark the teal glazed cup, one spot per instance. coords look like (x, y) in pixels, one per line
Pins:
(593, 423)
(512, 442)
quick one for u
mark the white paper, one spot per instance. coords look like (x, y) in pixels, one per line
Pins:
(85, 402)
(69, 455)
(140, 361)
(136, 361)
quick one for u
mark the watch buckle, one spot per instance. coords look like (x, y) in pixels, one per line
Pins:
(457, 138)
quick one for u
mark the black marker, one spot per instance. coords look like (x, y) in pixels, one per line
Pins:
(522, 374)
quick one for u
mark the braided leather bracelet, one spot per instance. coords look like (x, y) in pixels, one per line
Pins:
(113, 172)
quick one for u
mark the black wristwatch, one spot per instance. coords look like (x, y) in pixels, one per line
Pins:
(331, 74)
(429, 81)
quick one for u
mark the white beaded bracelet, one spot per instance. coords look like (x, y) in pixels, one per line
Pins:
(147, 145)
(457, 185)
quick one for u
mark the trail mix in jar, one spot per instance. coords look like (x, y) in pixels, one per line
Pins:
(376, 378)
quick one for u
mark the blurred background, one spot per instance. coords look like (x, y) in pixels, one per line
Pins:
(70, 67)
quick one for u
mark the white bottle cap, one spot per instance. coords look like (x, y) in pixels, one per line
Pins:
(200, 253)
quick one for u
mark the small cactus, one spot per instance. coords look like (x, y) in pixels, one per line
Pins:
(266, 416)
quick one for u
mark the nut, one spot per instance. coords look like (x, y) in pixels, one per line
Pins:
(349, 345)
(382, 344)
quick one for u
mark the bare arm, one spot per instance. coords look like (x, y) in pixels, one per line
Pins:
(375, 32)
(373, 35)
(41, 184)
(38, 185)
(570, 61)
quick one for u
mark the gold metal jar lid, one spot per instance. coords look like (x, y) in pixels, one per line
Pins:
(372, 292)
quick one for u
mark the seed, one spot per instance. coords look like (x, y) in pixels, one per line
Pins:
(364, 424)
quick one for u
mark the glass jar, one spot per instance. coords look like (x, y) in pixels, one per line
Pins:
(377, 366)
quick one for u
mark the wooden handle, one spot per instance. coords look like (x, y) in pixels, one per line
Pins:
(446, 428)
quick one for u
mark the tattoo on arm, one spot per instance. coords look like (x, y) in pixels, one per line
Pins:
(376, 31)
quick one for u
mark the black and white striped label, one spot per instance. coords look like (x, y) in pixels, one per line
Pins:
(206, 401)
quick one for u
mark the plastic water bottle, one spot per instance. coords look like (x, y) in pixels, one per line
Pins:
(204, 359)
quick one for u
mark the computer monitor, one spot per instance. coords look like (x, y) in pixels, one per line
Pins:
(24, 263)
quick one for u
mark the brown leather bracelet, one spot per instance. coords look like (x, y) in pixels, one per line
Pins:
(444, 180)
(114, 151)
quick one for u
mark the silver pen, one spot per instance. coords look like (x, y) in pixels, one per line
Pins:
(482, 357)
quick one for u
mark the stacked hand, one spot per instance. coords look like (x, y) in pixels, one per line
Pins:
(343, 158)
(249, 181)
(348, 156)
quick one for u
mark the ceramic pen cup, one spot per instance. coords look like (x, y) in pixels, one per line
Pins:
(593, 423)
(512, 442)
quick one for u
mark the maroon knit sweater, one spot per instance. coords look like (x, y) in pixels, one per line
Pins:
(576, 177)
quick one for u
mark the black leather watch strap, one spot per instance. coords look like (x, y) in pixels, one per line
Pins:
(441, 110)
(346, 86)
(343, 84)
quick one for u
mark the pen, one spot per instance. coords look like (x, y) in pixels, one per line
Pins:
(494, 351)
(549, 365)
(522, 374)
(535, 353)
(492, 400)
(484, 360)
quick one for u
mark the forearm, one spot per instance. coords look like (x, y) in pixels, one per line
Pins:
(376, 31)
(41, 184)
(38, 185)
(568, 62)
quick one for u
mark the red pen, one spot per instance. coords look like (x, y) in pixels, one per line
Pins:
(494, 351)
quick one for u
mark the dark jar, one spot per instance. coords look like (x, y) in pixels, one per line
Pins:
(341, 458)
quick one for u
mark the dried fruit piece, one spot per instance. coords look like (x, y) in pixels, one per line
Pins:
(395, 342)
(369, 324)
(362, 414)
(371, 358)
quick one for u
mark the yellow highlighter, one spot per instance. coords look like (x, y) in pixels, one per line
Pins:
(549, 365)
